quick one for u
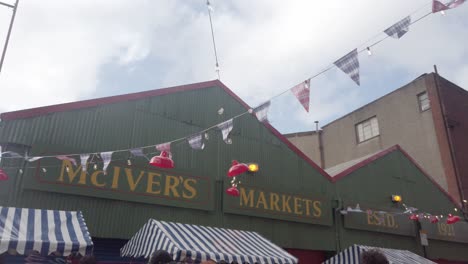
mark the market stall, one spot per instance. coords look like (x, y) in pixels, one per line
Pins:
(352, 255)
(26, 231)
(201, 243)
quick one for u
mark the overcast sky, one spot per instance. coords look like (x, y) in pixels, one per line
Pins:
(63, 51)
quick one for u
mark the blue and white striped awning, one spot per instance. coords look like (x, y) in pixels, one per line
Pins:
(353, 255)
(202, 243)
(45, 231)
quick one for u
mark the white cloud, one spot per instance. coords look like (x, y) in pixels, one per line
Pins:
(58, 48)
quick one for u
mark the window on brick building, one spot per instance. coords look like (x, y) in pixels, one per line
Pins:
(423, 101)
(367, 129)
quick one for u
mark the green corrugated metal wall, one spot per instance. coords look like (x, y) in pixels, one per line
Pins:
(156, 120)
(372, 186)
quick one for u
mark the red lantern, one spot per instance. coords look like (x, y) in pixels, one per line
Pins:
(452, 219)
(414, 217)
(237, 168)
(233, 191)
(162, 161)
(434, 219)
(3, 176)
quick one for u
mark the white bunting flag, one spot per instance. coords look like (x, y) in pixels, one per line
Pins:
(83, 161)
(164, 147)
(302, 93)
(106, 159)
(196, 141)
(262, 111)
(399, 28)
(137, 152)
(226, 128)
(63, 157)
(349, 64)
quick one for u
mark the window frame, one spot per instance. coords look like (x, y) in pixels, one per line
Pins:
(356, 129)
(418, 96)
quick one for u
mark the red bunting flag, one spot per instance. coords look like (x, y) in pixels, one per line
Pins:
(438, 6)
(302, 93)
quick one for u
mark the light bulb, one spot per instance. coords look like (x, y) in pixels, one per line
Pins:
(129, 162)
(369, 52)
(95, 166)
(456, 210)
(207, 136)
(20, 171)
(221, 111)
(442, 12)
(44, 169)
(229, 141)
(68, 169)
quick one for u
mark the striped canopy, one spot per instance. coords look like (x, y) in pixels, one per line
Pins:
(45, 231)
(353, 254)
(201, 243)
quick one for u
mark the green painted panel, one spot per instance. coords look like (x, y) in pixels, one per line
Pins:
(380, 222)
(457, 232)
(275, 204)
(138, 182)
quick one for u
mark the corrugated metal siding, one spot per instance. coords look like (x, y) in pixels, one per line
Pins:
(159, 119)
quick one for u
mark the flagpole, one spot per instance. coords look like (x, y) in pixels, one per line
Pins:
(5, 46)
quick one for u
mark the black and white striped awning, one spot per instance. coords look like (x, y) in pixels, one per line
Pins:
(352, 255)
(202, 243)
(25, 231)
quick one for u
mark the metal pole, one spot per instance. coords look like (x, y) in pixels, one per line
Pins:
(8, 35)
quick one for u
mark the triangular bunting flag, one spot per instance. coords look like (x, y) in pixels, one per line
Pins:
(399, 29)
(164, 147)
(302, 93)
(262, 111)
(349, 64)
(106, 159)
(137, 152)
(196, 141)
(83, 161)
(63, 157)
(438, 6)
(226, 128)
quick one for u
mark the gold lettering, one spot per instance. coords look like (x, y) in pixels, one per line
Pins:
(171, 184)
(297, 205)
(317, 209)
(391, 221)
(190, 188)
(274, 199)
(262, 200)
(308, 203)
(131, 182)
(94, 180)
(286, 203)
(115, 179)
(369, 218)
(246, 199)
(152, 181)
(72, 174)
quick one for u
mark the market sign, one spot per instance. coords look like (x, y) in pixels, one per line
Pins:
(122, 182)
(457, 232)
(380, 222)
(277, 205)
